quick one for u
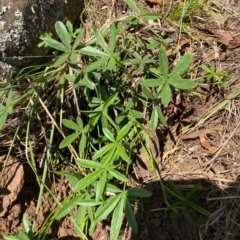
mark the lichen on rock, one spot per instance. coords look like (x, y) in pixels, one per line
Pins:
(21, 24)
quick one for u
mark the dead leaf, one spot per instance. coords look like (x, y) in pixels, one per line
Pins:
(204, 142)
(235, 43)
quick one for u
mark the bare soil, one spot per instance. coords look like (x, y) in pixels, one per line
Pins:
(202, 143)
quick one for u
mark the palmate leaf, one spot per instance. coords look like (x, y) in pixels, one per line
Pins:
(198, 208)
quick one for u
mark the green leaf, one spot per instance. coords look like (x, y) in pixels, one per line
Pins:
(88, 163)
(95, 65)
(86, 181)
(110, 101)
(55, 44)
(107, 208)
(63, 34)
(73, 179)
(89, 203)
(99, 38)
(133, 6)
(183, 84)
(83, 143)
(139, 192)
(78, 39)
(108, 134)
(10, 238)
(22, 236)
(122, 153)
(112, 39)
(151, 15)
(27, 226)
(154, 119)
(198, 208)
(163, 62)
(118, 175)
(186, 214)
(103, 150)
(101, 186)
(91, 51)
(112, 188)
(3, 115)
(61, 60)
(166, 95)
(69, 26)
(123, 131)
(130, 216)
(70, 124)
(147, 92)
(152, 82)
(117, 219)
(68, 140)
(193, 190)
(181, 66)
(73, 58)
(68, 207)
(161, 117)
(176, 189)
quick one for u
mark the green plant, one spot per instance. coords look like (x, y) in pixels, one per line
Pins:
(184, 202)
(165, 84)
(103, 135)
(216, 77)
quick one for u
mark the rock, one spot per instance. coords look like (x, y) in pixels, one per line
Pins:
(21, 24)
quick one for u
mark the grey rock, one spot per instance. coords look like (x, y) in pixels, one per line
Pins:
(21, 24)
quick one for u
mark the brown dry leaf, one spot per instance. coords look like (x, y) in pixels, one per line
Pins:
(221, 35)
(235, 43)
(204, 142)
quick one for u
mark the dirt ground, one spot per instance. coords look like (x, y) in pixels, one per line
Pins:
(206, 151)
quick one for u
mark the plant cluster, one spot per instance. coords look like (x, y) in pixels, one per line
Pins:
(104, 135)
